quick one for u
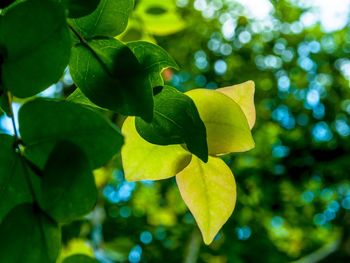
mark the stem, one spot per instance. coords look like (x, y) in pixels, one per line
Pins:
(193, 247)
(86, 44)
(81, 39)
(18, 149)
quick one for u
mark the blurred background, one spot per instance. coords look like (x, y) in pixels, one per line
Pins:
(293, 188)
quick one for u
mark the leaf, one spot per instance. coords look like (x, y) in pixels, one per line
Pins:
(79, 8)
(45, 122)
(5, 3)
(243, 95)
(109, 74)
(176, 120)
(78, 97)
(209, 191)
(13, 186)
(109, 19)
(79, 259)
(153, 60)
(68, 189)
(28, 235)
(145, 161)
(4, 105)
(226, 125)
(160, 17)
(36, 46)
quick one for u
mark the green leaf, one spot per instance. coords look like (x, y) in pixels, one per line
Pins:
(4, 105)
(29, 235)
(243, 95)
(176, 120)
(109, 74)
(227, 127)
(159, 17)
(145, 161)
(153, 60)
(68, 189)
(36, 46)
(109, 19)
(209, 191)
(79, 8)
(79, 259)
(13, 185)
(45, 122)
(79, 97)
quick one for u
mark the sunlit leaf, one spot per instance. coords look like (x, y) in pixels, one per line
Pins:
(243, 94)
(75, 246)
(29, 235)
(79, 258)
(227, 127)
(209, 191)
(160, 17)
(176, 120)
(145, 161)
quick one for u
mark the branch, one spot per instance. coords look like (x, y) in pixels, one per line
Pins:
(193, 247)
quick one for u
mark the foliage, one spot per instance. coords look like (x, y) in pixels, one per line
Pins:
(47, 164)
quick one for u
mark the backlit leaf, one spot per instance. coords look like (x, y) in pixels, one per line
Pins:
(68, 188)
(45, 122)
(29, 235)
(209, 191)
(35, 43)
(109, 74)
(109, 19)
(243, 95)
(13, 184)
(176, 120)
(145, 161)
(79, 8)
(227, 127)
(153, 60)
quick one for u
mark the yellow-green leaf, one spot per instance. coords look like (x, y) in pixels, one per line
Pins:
(159, 17)
(227, 127)
(243, 94)
(209, 191)
(145, 161)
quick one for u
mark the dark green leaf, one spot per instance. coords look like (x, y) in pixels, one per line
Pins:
(78, 97)
(109, 74)
(45, 122)
(37, 46)
(28, 235)
(13, 186)
(68, 189)
(176, 120)
(79, 8)
(4, 105)
(153, 59)
(79, 259)
(109, 19)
